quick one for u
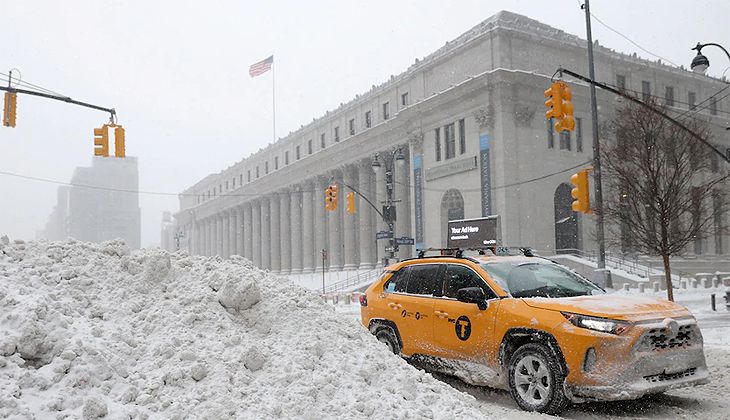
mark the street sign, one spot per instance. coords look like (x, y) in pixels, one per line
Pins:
(404, 241)
(389, 249)
(382, 234)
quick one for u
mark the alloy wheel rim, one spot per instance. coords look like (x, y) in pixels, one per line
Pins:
(532, 380)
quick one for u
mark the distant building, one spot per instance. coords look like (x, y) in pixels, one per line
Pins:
(101, 204)
(469, 119)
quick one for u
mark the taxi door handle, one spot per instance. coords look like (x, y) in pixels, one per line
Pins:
(441, 314)
(394, 306)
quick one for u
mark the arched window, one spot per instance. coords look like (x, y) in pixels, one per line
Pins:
(566, 221)
(452, 208)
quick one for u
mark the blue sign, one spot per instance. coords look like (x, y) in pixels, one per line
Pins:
(382, 234)
(404, 241)
(485, 175)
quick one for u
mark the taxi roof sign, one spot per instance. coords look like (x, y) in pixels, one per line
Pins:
(484, 232)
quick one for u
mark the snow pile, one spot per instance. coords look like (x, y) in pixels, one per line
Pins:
(95, 331)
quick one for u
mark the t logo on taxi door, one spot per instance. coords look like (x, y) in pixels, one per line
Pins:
(463, 328)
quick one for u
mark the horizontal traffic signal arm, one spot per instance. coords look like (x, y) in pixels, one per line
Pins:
(632, 99)
(59, 98)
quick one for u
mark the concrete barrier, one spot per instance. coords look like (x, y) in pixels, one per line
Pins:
(656, 286)
(641, 287)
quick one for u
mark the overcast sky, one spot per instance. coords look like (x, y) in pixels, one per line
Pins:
(177, 74)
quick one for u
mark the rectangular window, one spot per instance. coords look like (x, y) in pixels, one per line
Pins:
(299, 154)
(352, 127)
(645, 90)
(713, 105)
(266, 168)
(437, 134)
(234, 182)
(257, 172)
(565, 140)
(404, 99)
(322, 143)
(248, 176)
(462, 137)
(276, 163)
(309, 147)
(669, 95)
(551, 140)
(226, 185)
(579, 135)
(337, 134)
(220, 188)
(692, 101)
(621, 81)
(286, 157)
(386, 110)
(449, 141)
(368, 119)
(241, 179)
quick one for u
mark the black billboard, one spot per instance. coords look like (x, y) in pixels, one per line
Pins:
(475, 233)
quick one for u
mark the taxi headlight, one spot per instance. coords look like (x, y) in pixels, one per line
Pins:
(606, 325)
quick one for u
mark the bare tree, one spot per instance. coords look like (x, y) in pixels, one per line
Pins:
(664, 188)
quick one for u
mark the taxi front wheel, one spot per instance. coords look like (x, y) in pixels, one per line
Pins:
(385, 335)
(535, 379)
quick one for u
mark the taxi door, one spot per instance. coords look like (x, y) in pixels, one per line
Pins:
(411, 299)
(462, 331)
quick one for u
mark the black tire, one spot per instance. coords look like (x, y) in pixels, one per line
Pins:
(536, 380)
(385, 335)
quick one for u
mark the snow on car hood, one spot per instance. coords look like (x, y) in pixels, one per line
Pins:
(614, 305)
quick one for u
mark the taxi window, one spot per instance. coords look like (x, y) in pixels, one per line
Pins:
(424, 279)
(397, 282)
(460, 276)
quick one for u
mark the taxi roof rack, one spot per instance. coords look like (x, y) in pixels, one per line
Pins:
(496, 250)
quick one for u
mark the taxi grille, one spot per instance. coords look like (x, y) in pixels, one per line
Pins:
(660, 339)
(662, 377)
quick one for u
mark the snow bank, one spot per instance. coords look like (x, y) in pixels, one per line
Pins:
(93, 331)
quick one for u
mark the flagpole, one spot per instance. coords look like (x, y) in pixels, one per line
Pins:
(273, 92)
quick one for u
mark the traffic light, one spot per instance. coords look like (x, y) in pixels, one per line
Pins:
(567, 122)
(555, 103)
(119, 142)
(11, 103)
(331, 198)
(580, 192)
(351, 203)
(101, 139)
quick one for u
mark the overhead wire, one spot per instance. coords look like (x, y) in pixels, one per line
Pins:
(31, 86)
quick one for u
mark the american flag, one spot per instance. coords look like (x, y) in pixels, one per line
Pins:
(261, 67)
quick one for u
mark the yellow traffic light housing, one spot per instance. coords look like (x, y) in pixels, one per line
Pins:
(567, 122)
(331, 197)
(555, 103)
(101, 139)
(351, 203)
(580, 192)
(10, 108)
(119, 150)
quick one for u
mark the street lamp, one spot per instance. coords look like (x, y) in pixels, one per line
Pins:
(700, 63)
(391, 159)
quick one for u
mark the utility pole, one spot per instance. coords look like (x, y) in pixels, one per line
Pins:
(602, 276)
(388, 213)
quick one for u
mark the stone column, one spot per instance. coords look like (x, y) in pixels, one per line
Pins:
(320, 220)
(256, 244)
(275, 233)
(204, 225)
(248, 231)
(296, 231)
(334, 253)
(365, 212)
(403, 211)
(308, 204)
(265, 234)
(239, 231)
(232, 232)
(225, 252)
(350, 221)
(380, 225)
(218, 234)
(285, 229)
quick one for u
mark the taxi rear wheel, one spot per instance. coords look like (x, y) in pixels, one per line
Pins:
(386, 336)
(535, 379)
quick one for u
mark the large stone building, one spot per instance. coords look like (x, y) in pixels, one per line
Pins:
(470, 122)
(101, 204)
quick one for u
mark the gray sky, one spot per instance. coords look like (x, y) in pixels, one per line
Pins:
(177, 74)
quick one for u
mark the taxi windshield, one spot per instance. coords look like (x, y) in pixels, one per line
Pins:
(535, 279)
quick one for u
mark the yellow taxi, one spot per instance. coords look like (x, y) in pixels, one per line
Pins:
(531, 326)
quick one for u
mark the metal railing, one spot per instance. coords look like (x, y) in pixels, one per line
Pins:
(358, 279)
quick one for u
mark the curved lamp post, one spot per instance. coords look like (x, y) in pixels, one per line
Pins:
(391, 159)
(700, 63)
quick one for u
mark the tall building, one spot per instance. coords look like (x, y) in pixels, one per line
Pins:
(101, 204)
(470, 122)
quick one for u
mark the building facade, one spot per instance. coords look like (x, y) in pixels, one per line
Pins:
(470, 122)
(101, 204)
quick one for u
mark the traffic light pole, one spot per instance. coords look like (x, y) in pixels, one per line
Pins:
(61, 98)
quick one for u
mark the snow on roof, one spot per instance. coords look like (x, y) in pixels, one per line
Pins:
(92, 330)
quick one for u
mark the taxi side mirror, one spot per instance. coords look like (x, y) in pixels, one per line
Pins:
(472, 295)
